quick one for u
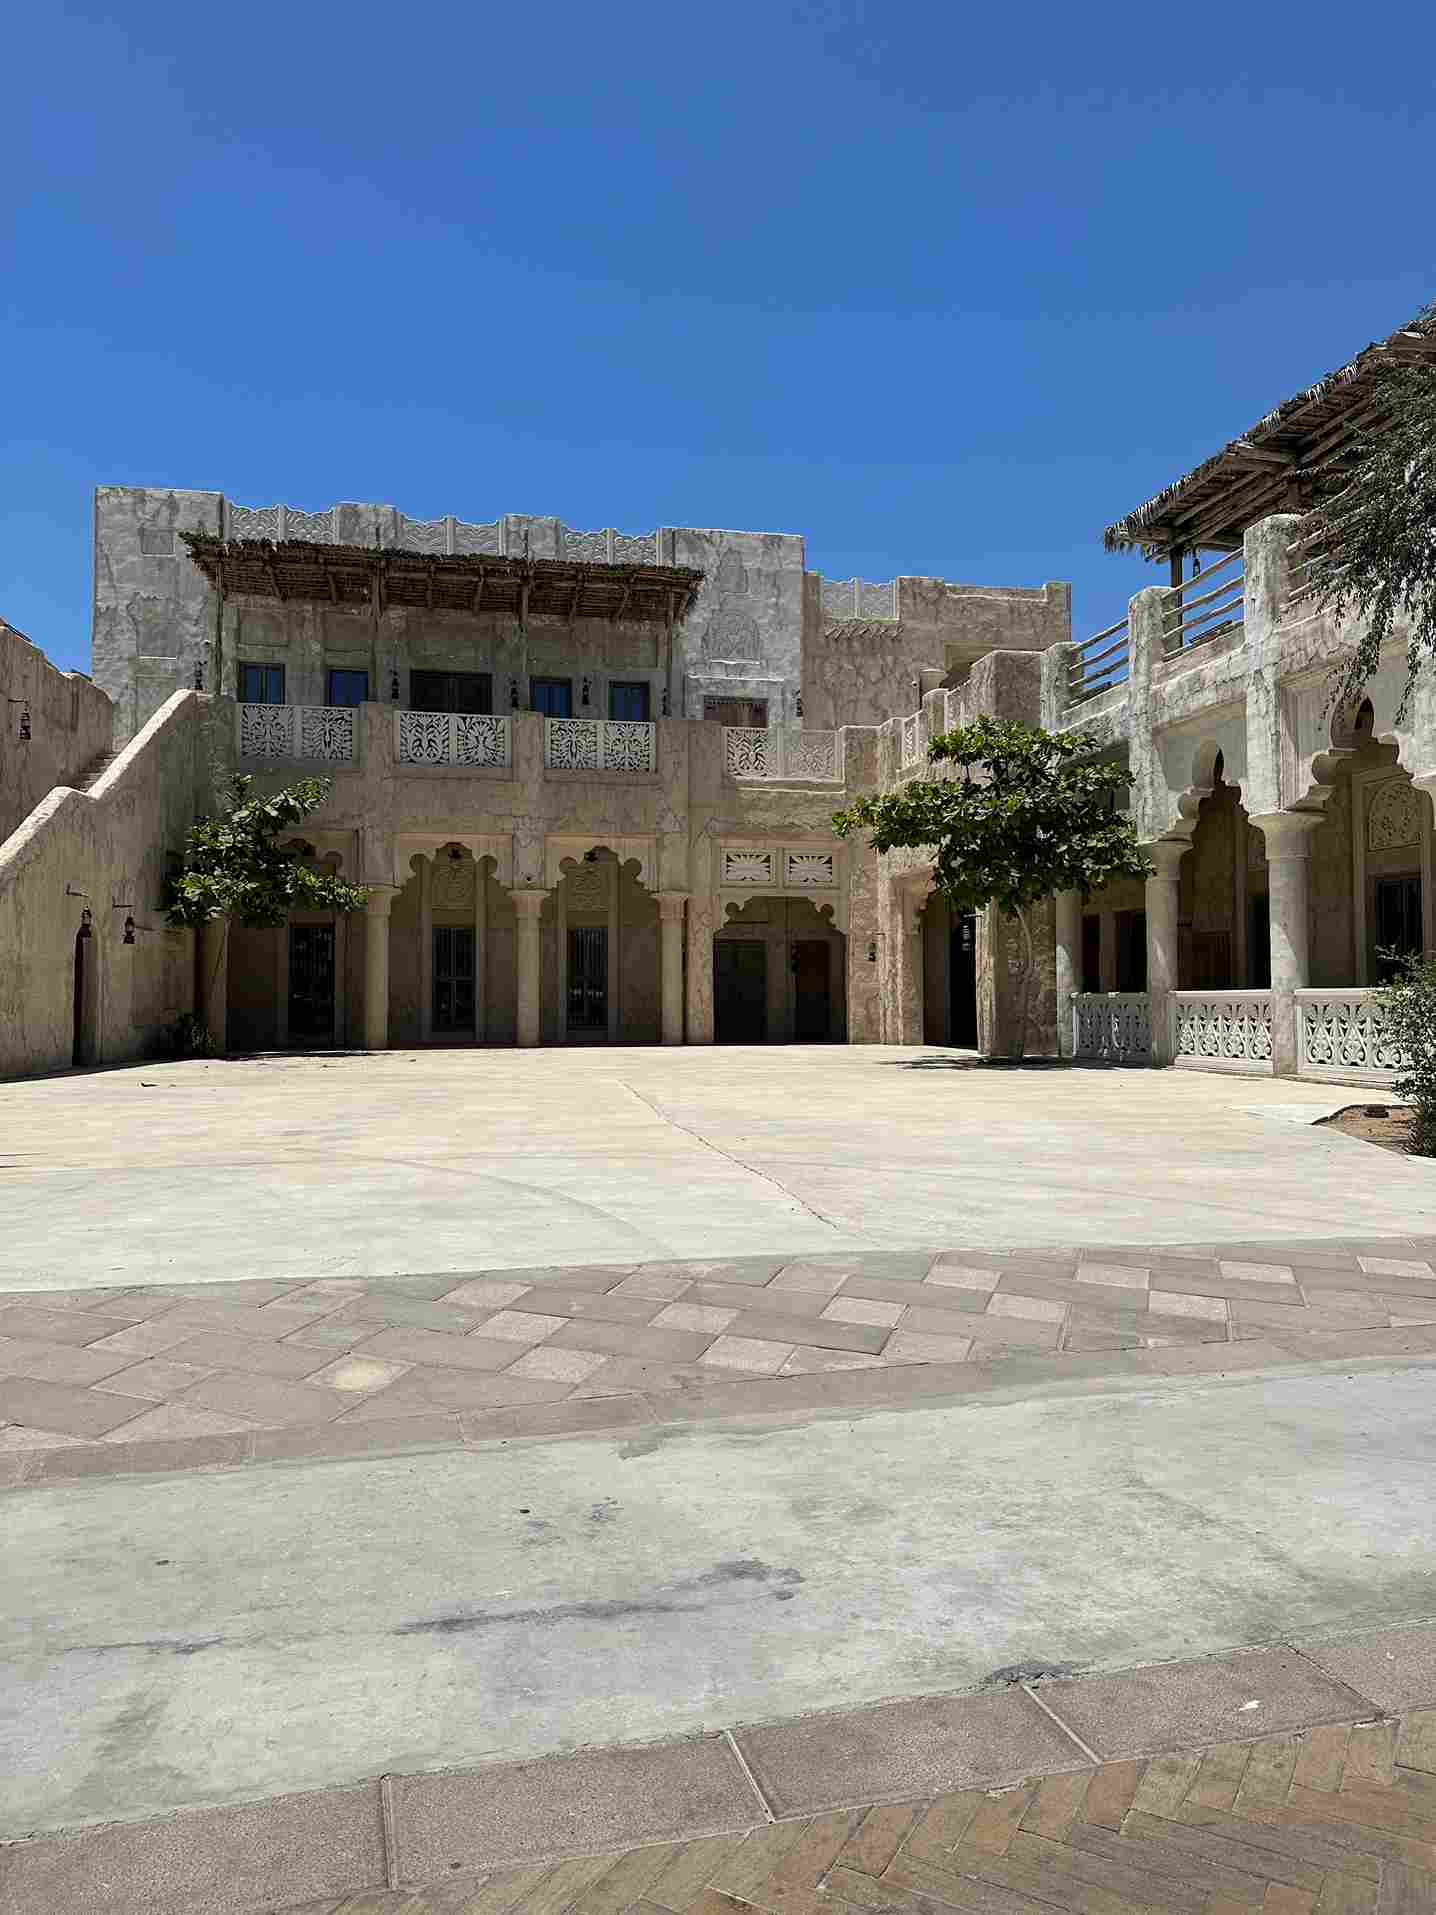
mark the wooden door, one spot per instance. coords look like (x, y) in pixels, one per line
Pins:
(311, 983)
(812, 990)
(588, 978)
(740, 991)
(453, 998)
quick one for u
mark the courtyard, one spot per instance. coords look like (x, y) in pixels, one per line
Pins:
(405, 1162)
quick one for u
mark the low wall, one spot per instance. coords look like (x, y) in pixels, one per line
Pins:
(103, 850)
(71, 723)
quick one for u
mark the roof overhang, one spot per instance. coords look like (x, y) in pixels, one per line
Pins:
(1283, 463)
(354, 576)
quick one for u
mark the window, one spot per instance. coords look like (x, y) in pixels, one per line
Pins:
(1398, 922)
(1131, 929)
(628, 703)
(551, 696)
(1091, 952)
(261, 684)
(348, 687)
(471, 692)
(750, 713)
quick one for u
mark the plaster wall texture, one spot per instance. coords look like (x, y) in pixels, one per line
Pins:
(154, 612)
(71, 725)
(105, 850)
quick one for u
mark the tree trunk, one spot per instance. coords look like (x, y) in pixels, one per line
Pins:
(1017, 1047)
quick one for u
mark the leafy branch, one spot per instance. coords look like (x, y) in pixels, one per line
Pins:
(233, 867)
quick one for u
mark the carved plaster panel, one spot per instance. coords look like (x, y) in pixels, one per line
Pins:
(628, 850)
(1393, 815)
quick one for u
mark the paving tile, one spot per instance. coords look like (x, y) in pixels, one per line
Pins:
(621, 1339)
(557, 1300)
(557, 1366)
(956, 1275)
(627, 1881)
(1057, 1804)
(1416, 1745)
(809, 1360)
(221, 1350)
(1220, 1775)
(1398, 1267)
(1238, 1272)
(692, 1867)
(747, 1353)
(58, 1362)
(1371, 1756)
(1321, 1757)
(21, 1436)
(652, 1284)
(225, 1861)
(708, 1317)
(1175, 1303)
(773, 1327)
(851, 1309)
(409, 1313)
(485, 1293)
(814, 1278)
(310, 1442)
(1268, 1774)
(1085, 1338)
(329, 1336)
(146, 1339)
(923, 1346)
(1005, 1303)
(1177, 1705)
(32, 1322)
(425, 1390)
(574, 1416)
(353, 1375)
(738, 1296)
(442, 1348)
(266, 1400)
(877, 1838)
(234, 1320)
(887, 1290)
(647, 1373)
(156, 1378)
(607, 1798)
(62, 1407)
(245, 1293)
(1116, 1276)
(522, 1326)
(1368, 1314)
(1018, 1331)
(125, 1457)
(167, 1421)
(903, 1749)
(1165, 1782)
(1395, 1668)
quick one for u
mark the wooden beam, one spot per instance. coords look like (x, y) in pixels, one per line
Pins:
(479, 590)
(623, 601)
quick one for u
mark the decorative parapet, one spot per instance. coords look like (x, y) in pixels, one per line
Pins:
(757, 754)
(1340, 1034)
(470, 741)
(851, 598)
(914, 744)
(1222, 1030)
(440, 537)
(599, 744)
(1112, 1027)
(318, 734)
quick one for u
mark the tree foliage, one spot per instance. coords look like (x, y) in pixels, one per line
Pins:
(233, 866)
(1027, 814)
(1408, 1028)
(1377, 559)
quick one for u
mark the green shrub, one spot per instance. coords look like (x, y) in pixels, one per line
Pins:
(188, 1036)
(1408, 1030)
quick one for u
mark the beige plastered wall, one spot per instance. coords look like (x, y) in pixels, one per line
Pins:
(71, 723)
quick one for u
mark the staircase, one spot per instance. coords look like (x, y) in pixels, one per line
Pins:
(95, 770)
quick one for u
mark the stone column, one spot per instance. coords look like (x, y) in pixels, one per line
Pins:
(528, 903)
(702, 917)
(670, 913)
(212, 983)
(1288, 863)
(1067, 912)
(1162, 886)
(376, 966)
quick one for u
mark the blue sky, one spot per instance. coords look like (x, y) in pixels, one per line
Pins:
(944, 288)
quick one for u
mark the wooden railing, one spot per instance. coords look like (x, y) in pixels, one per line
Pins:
(1097, 664)
(1192, 621)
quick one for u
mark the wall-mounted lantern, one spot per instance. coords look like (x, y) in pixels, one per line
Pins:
(394, 687)
(799, 710)
(585, 692)
(872, 950)
(22, 730)
(514, 693)
(199, 675)
(129, 936)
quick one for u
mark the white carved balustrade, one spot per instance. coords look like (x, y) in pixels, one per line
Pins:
(600, 744)
(1222, 1030)
(776, 753)
(322, 734)
(467, 739)
(1340, 1034)
(913, 743)
(1113, 1027)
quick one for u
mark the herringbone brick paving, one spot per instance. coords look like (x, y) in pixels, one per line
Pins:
(1339, 1820)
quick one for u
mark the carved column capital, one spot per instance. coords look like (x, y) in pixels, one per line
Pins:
(528, 899)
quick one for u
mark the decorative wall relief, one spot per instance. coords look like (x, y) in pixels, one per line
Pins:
(451, 887)
(811, 868)
(587, 887)
(1393, 815)
(747, 867)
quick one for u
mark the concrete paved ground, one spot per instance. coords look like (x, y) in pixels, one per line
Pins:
(353, 1165)
(209, 1638)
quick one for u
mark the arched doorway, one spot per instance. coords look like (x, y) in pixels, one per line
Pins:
(82, 1037)
(600, 941)
(949, 974)
(779, 975)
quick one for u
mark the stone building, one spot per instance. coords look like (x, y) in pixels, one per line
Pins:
(588, 780)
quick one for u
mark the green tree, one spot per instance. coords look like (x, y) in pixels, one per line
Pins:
(1408, 1042)
(1376, 556)
(233, 867)
(1027, 814)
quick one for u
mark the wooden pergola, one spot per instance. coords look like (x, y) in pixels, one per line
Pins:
(359, 576)
(1286, 462)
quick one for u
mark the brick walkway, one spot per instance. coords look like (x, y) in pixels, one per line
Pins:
(1340, 1820)
(99, 1381)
